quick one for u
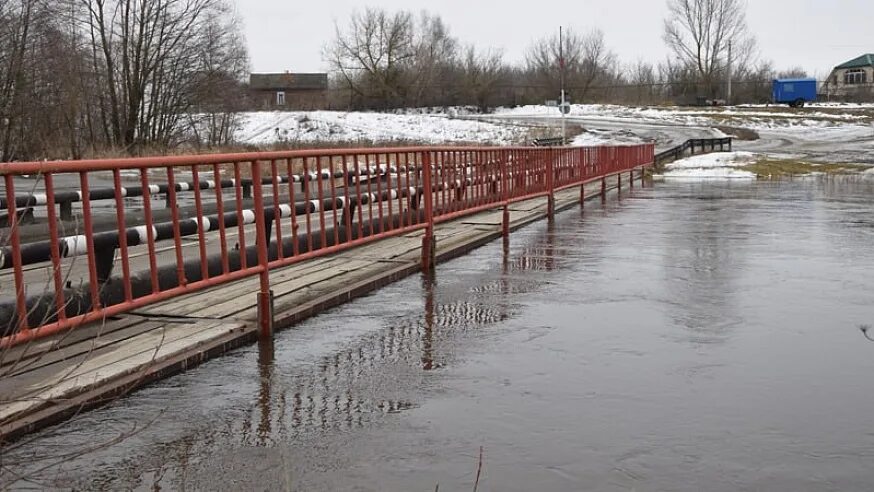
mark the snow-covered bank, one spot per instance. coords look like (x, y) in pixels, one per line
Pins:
(721, 165)
(754, 115)
(264, 128)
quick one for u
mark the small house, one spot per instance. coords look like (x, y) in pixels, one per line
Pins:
(853, 80)
(289, 91)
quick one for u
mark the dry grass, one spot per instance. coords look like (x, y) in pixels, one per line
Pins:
(779, 168)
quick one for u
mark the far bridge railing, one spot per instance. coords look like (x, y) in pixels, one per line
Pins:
(692, 147)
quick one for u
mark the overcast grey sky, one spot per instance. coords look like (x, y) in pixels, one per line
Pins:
(815, 34)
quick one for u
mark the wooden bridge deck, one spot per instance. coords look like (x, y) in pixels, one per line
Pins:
(53, 379)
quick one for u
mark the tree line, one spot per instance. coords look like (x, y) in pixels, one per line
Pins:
(84, 77)
(383, 59)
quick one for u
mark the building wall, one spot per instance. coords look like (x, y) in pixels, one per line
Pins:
(836, 86)
(309, 100)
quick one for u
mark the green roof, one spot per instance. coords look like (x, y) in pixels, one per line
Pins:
(862, 61)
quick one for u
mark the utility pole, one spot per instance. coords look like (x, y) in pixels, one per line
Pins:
(728, 89)
(561, 67)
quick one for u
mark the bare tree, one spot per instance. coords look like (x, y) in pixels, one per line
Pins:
(793, 73)
(218, 93)
(372, 53)
(16, 19)
(435, 52)
(587, 61)
(482, 72)
(643, 81)
(699, 33)
(145, 52)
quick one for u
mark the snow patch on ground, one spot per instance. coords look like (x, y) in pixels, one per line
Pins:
(740, 116)
(719, 165)
(594, 138)
(264, 128)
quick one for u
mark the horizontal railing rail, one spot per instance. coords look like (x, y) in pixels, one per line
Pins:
(306, 204)
(702, 144)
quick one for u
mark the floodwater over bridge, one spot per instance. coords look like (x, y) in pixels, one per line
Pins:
(692, 336)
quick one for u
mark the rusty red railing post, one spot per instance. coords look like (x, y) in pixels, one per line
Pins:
(550, 185)
(618, 176)
(581, 157)
(505, 196)
(18, 267)
(265, 295)
(428, 241)
(603, 188)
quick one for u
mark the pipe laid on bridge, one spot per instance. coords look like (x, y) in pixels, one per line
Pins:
(42, 308)
(108, 242)
(40, 199)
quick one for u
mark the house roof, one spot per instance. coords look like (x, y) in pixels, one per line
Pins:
(860, 62)
(288, 81)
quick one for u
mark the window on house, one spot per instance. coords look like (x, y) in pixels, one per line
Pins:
(280, 98)
(855, 76)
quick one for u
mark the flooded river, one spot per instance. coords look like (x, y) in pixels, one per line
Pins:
(694, 336)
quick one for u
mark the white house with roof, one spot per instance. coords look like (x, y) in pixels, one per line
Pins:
(852, 80)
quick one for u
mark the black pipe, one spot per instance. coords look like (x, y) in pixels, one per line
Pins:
(38, 199)
(105, 243)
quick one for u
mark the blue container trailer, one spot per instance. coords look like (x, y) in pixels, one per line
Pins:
(794, 92)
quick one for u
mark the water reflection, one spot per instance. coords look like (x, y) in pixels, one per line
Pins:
(679, 267)
(702, 264)
(377, 374)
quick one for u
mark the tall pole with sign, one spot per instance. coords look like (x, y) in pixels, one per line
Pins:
(728, 83)
(561, 70)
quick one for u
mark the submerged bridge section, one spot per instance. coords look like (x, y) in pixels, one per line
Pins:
(182, 258)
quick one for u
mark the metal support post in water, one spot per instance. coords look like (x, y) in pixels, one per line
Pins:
(603, 190)
(505, 225)
(550, 183)
(265, 315)
(429, 244)
(265, 295)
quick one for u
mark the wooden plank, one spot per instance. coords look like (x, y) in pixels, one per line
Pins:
(207, 305)
(137, 355)
(182, 305)
(297, 294)
(18, 354)
(280, 289)
(18, 386)
(236, 307)
(83, 348)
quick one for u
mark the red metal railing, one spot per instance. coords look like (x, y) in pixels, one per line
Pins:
(307, 204)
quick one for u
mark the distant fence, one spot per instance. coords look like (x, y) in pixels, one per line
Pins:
(307, 204)
(548, 142)
(703, 145)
